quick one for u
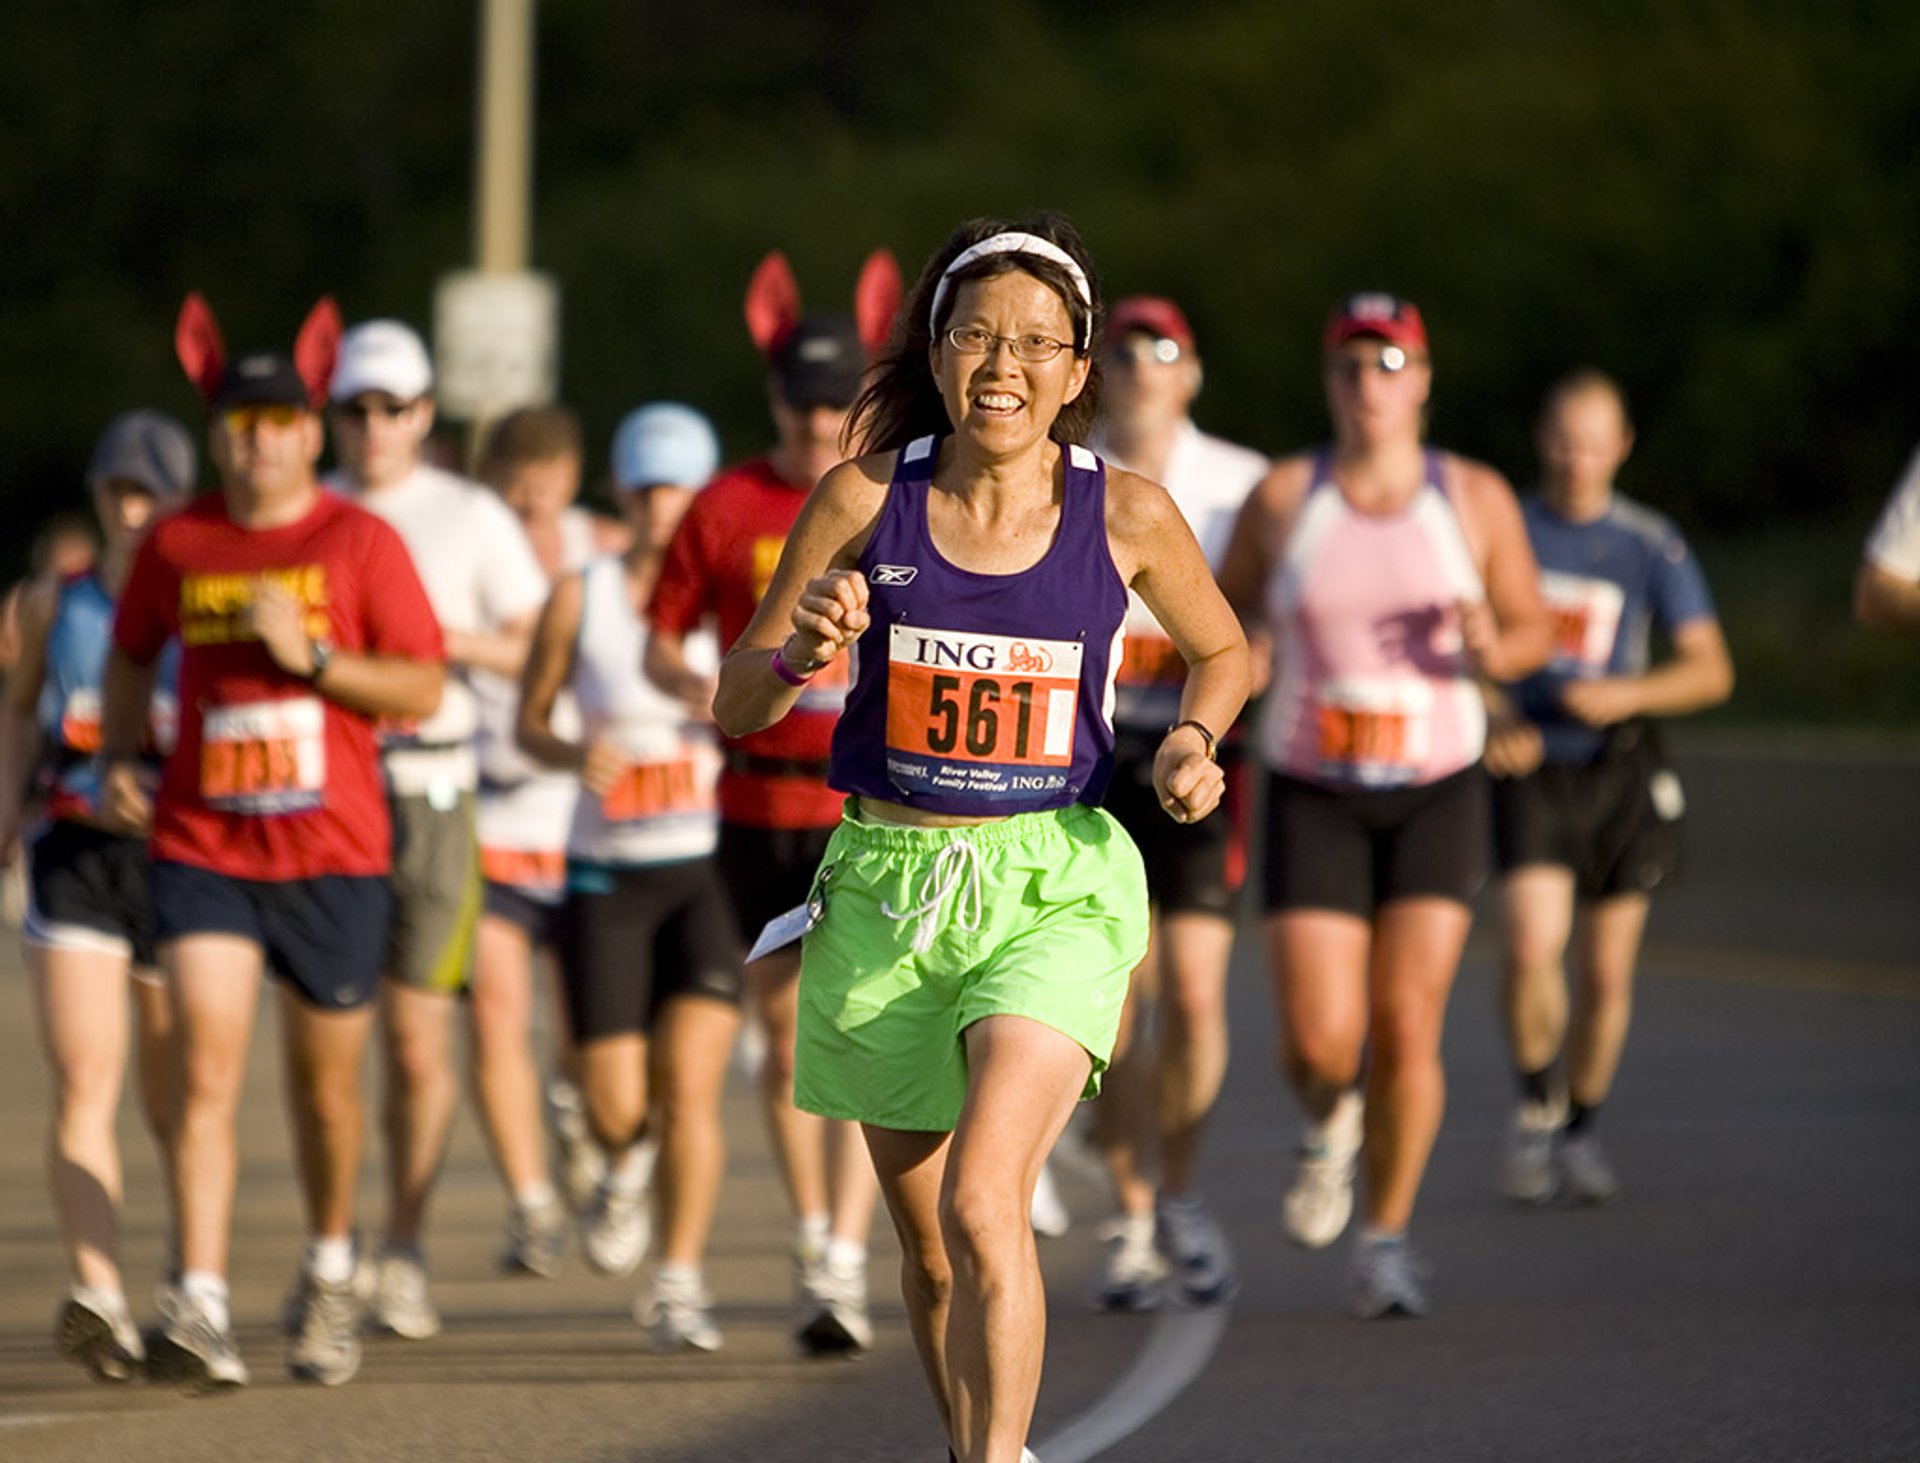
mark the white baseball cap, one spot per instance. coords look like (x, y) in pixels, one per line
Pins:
(382, 355)
(664, 442)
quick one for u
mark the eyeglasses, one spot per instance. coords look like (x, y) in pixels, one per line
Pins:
(1391, 361)
(971, 340)
(359, 410)
(1144, 350)
(242, 419)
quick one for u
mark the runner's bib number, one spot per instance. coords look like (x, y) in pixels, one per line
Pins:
(649, 790)
(1586, 620)
(264, 757)
(1374, 731)
(538, 873)
(984, 716)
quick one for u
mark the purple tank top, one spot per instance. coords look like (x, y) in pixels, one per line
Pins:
(984, 694)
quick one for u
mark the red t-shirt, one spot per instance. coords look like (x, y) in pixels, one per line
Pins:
(269, 779)
(719, 564)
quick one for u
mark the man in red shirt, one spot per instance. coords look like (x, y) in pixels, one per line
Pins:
(776, 809)
(301, 621)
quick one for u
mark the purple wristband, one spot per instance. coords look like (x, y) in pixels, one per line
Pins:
(786, 672)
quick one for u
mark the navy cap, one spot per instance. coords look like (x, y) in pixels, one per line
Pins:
(821, 362)
(145, 447)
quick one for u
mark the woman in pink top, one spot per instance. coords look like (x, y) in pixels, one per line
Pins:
(1391, 578)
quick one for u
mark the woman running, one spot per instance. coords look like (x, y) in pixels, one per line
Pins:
(977, 914)
(1392, 577)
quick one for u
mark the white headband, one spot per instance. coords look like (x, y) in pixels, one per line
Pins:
(1015, 243)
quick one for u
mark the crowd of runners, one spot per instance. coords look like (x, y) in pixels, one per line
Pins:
(906, 756)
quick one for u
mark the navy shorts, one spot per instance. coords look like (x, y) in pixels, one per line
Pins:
(632, 939)
(537, 919)
(1355, 851)
(325, 936)
(88, 889)
(1614, 821)
(1192, 868)
(767, 871)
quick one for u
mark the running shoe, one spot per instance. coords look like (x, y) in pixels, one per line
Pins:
(615, 1229)
(96, 1329)
(1387, 1280)
(1133, 1272)
(1201, 1257)
(833, 1307)
(1320, 1202)
(582, 1163)
(399, 1302)
(190, 1349)
(327, 1348)
(1585, 1175)
(1527, 1168)
(1048, 1212)
(536, 1239)
(678, 1313)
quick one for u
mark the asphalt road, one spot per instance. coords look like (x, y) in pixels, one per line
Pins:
(1754, 1295)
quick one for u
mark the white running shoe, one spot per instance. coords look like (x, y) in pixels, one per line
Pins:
(1526, 1167)
(678, 1313)
(615, 1229)
(1048, 1213)
(399, 1302)
(536, 1239)
(833, 1307)
(1387, 1280)
(190, 1349)
(96, 1329)
(1132, 1275)
(582, 1163)
(1320, 1202)
(1585, 1175)
(1198, 1249)
(327, 1348)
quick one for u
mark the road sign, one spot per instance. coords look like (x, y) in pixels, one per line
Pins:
(496, 342)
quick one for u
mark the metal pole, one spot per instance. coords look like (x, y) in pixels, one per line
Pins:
(504, 166)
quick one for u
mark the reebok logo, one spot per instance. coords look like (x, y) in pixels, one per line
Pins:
(894, 573)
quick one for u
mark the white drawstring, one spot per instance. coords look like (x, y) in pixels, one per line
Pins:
(956, 862)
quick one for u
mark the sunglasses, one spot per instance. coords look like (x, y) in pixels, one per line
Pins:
(240, 419)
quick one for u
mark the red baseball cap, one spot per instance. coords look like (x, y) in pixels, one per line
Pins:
(1153, 314)
(1387, 316)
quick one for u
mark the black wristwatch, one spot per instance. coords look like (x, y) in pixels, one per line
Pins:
(321, 652)
(1206, 735)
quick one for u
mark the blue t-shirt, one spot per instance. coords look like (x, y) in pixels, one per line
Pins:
(1606, 583)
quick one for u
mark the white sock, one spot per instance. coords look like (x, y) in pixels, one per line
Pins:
(632, 1170)
(845, 1255)
(535, 1196)
(810, 1234)
(209, 1292)
(330, 1259)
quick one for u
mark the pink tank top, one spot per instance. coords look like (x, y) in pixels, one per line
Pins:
(1372, 686)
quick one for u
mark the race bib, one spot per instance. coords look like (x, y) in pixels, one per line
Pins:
(80, 720)
(1373, 731)
(1586, 620)
(990, 717)
(264, 757)
(539, 873)
(1150, 658)
(649, 790)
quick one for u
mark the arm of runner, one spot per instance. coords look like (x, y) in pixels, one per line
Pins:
(502, 650)
(665, 664)
(375, 685)
(1885, 602)
(1699, 675)
(126, 692)
(1509, 633)
(20, 740)
(1164, 565)
(548, 669)
(816, 605)
(1259, 536)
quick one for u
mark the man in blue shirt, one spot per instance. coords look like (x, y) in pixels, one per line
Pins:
(1586, 811)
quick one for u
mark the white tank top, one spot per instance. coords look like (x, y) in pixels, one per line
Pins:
(525, 809)
(663, 809)
(1373, 687)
